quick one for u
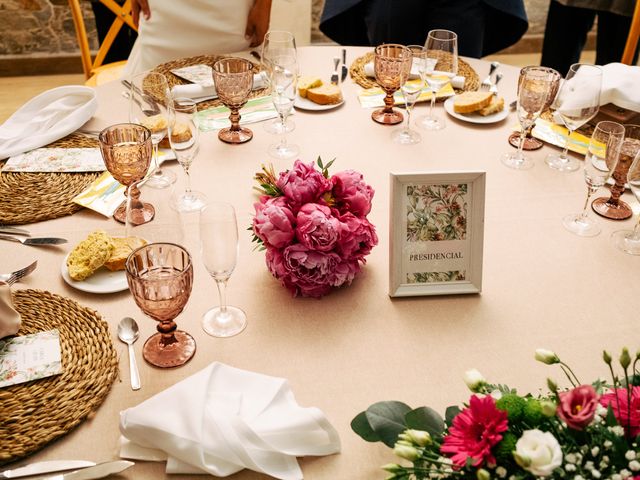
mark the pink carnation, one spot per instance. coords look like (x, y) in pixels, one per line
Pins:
(274, 222)
(303, 184)
(316, 228)
(578, 406)
(351, 193)
(357, 237)
(475, 430)
(628, 414)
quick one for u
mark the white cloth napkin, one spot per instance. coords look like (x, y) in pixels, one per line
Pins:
(456, 82)
(621, 86)
(46, 118)
(223, 419)
(199, 93)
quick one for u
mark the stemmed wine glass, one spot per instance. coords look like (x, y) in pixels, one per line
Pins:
(534, 87)
(440, 66)
(599, 163)
(160, 277)
(149, 103)
(577, 102)
(411, 90)
(629, 240)
(277, 44)
(233, 78)
(126, 150)
(219, 248)
(283, 81)
(184, 140)
(392, 64)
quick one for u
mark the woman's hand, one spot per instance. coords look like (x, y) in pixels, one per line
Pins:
(136, 7)
(257, 22)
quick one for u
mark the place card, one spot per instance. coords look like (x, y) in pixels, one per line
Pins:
(557, 135)
(66, 160)
(30, 357)
(374, 97)
(200, 74)
(255, 110)
(436, 233)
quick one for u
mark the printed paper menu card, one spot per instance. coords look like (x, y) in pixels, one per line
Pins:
(30, 357)
(200, 74)
(57, 160)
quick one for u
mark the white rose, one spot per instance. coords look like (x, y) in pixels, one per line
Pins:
(538, 452)
(474, 379)
(546, 356)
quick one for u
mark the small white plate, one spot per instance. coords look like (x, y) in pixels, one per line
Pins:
(474, 117)
(103, 281)
(306, 104)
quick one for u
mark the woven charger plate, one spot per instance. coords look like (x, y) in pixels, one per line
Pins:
(356, 70)
(173, 80)
(37, 412)
(33, 197)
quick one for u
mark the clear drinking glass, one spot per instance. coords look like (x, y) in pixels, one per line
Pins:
(599, 163)
(392, 64)
(219, 248)
(233, 78)
(629, 240)
(577, 102)
(184, 138)
(534, 87)
(160, 277)
(277, 43)
(411, 90)
(440, 67)
(149, 103)
(283, 81)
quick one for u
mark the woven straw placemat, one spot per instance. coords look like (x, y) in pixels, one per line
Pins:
(356, 70)
(173, 80)
(33, 197)
(37, 412)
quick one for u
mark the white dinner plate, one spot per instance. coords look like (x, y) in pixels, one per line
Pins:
(474, 117)
(306, 104)
(103, 281)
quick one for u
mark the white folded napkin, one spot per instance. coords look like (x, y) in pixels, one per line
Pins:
(223, 419)
(621, 86)
(199, 93)
(46, 118)
(456, 82)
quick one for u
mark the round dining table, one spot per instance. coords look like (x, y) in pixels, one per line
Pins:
(543, 287)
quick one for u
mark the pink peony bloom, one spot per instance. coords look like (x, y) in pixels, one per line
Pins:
(628, 415)
(303, 184)
(344, 273)
(357, 237)
(578, 406)
(316, 228)
(274, 222)
(474, 432)
(351, 193)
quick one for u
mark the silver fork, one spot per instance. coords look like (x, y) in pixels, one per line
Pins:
(11, 278)
(487, 83)
(148, 99)
(494, 87)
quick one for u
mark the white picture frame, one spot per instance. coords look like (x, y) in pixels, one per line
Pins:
(436, 233)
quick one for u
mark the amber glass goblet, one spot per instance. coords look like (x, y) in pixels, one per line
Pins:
(160, 277)
(612, 207)
(392, 65)
(126, 151)
(233, 78)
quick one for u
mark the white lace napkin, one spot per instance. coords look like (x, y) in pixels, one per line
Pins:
(46, 118)
(456, 82)
(200, 93)
(223, 419)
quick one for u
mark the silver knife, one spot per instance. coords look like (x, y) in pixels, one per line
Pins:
(335, 76)
(345, 70)
(46, 467)
(100, 470)
(34, 241)
(13, 230)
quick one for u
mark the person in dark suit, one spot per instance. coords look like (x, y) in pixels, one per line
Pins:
(483, 26)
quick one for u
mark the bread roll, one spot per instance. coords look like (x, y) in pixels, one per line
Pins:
(180, 133)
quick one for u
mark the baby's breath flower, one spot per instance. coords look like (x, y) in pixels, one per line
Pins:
(596, 450)
(570, 467)
(616, 476)
(625, 473)
(617, 430)
(596, 473)
(634, 465)
(570, 458)
(501, 472)
(578, 477)
(608, 444)
(630, 455)
(588, 465)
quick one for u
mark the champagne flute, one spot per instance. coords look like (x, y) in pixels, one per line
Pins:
(219, 248)
(629, 240)
(440, 66)
(283, 79)
(233, 78)
(277, 44)
(184, 140)
(411, 90)
(149, 103)
(599, 163)
(392, 64)
(577, 102)
(160, 277)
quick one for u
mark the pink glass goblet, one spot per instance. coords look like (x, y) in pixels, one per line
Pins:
(233, 78)
(392, 65)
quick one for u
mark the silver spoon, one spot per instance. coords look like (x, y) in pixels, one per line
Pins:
(128, 332)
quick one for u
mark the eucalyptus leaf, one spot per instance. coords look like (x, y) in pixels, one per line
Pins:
(451, 413)
(361, 426)
(387, 420)
(425, 418)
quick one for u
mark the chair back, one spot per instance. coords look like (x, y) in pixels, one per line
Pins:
(632, 39)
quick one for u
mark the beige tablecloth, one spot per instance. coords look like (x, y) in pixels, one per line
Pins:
(543, 287)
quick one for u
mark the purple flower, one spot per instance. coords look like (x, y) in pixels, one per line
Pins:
(303, 184)
(357, 237)
(316, 228)
(274, 222)
(351, 193)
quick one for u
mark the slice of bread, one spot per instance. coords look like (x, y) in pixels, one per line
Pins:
(469, 102)
(180, 133)
(89, 255)
(156, 124)
(123, 246)
(305, 83)
(496, 105)
(325, 94)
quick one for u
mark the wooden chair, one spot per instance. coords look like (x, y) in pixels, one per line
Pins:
(94, 71)
(632, 39)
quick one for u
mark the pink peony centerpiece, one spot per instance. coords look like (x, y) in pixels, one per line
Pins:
(314, 226)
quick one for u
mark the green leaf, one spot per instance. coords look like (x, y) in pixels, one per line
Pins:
(387, 420)
(451, 413)
(425, 418)
(611, 420)
(361, 426)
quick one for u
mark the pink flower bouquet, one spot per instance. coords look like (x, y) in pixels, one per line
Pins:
(314, 226)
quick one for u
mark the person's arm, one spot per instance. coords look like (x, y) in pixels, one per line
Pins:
(136, 7)
(257, 22)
